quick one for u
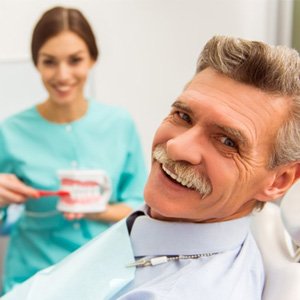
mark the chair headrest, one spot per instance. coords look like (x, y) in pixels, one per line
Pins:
(290, 212)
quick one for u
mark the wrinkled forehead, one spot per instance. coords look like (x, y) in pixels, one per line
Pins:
(221, 89)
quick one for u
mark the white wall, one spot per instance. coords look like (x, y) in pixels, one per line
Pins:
(148, 48)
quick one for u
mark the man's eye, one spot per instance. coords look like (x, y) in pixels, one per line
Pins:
(185, 117)
(228, 142)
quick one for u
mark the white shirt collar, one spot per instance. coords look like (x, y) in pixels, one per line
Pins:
(154, 237)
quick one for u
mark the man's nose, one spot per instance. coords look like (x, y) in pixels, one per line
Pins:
(186, 147)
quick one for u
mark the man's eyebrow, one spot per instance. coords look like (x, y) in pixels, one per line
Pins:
(181, 105)
(233, 132)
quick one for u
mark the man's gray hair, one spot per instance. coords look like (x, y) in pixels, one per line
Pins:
(273, 69)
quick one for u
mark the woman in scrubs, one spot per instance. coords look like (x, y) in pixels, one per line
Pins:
(66, 131)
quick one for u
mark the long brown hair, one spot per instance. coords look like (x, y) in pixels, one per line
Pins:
(59, 19)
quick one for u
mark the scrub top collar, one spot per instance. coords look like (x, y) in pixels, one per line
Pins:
(154, 237)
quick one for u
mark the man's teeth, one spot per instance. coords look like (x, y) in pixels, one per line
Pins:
(180, 180)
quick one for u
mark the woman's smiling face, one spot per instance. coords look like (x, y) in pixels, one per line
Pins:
(223, 130)
(64, 63)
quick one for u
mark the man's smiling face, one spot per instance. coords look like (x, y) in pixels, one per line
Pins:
(211, 153)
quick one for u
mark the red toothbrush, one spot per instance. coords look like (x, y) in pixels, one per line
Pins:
(53, 193)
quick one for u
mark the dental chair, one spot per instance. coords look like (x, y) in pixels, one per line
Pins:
(276, 230)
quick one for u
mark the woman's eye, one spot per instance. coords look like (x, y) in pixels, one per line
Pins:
(75, 60)
(185, 117)
(228, 142)
(48, 62)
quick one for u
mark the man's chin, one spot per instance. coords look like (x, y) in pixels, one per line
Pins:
(169, 217)
(159, 216)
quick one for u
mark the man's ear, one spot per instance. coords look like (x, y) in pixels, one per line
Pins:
(283, 178)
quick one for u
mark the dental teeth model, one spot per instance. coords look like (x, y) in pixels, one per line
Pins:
(89, 190)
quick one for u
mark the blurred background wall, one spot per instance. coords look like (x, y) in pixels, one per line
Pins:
(148, 49)
(296, 25)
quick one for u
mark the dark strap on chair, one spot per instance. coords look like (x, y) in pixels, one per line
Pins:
(130, 220)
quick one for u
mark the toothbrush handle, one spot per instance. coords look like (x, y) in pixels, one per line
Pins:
(53, 193)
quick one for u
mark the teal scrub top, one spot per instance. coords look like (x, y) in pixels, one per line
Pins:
(34, 149)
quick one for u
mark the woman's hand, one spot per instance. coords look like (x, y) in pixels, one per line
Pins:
(12, 190)
(113, 213)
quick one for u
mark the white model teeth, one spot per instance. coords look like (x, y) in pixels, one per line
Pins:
(80, 192)
(177, 178)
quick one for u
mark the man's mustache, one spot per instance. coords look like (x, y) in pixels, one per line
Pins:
(197, 181)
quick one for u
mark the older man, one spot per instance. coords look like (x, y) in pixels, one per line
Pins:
(229, 144)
